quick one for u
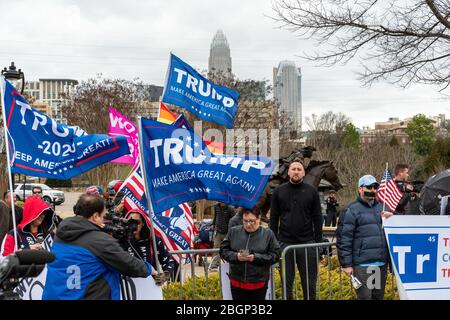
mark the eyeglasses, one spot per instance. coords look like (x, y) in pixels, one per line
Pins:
(373, 187)
(250, 222)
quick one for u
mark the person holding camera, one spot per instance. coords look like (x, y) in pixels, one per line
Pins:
(36, 224)
(140, 245)
(401, 175)
(332, 205)
(251, 250)
(361, 244)
(89, 261)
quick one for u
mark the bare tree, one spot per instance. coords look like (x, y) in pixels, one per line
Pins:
(326, 130)
(371, 159)
(401, 41)
(87, 107)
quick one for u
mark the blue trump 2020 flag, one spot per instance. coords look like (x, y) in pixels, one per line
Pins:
(180, 168)
(41, 147)
(188, 89)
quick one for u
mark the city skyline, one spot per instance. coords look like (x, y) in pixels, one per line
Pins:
(78, 40)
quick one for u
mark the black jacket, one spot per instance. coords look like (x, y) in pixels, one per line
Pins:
(332, 204)
(99, 257)
(143, 249)
(222, 215)
(262, 243)
(296, 214)
(360, 235)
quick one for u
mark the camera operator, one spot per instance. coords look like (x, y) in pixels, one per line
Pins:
(36, 224)
(141, 244)
(89, 261)
(401, 175)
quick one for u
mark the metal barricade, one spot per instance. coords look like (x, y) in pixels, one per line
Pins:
(203, 253)
(191, 254)
(320, 254)
(330, 291)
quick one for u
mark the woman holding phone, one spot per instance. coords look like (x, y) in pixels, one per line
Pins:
(251, 250)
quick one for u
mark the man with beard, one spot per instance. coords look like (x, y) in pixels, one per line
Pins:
(296, 218)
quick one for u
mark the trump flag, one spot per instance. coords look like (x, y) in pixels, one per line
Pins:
(41, 147)
(174, 226)
(188, 89)
(180, 168)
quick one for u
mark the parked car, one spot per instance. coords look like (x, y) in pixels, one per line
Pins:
(110, 187)
(48, 194)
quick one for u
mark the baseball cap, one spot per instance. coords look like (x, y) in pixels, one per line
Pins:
(117, 186)
(92, 190)
(367, 180)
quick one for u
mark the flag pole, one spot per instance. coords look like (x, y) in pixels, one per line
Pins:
(11, 190)
(385, 186)
(147, 194)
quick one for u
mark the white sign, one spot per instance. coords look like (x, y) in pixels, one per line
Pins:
(32, 288)
(226, 286)
(420, 252)
(140, 289)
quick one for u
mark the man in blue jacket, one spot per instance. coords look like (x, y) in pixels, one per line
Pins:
(361, 243)
(89, 261)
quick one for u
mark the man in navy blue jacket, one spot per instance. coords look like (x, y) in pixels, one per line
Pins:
(88, 261)
(361, 243)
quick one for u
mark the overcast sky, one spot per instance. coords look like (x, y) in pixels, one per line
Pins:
(78, 39)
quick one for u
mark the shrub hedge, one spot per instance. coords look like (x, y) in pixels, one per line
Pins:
(212, 291)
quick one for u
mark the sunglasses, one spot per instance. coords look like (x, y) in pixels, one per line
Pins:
(373, 187)
(37, 192)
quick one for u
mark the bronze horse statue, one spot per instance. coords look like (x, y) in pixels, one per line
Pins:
(315, 172)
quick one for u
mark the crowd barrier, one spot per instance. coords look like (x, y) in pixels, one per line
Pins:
(323, 250)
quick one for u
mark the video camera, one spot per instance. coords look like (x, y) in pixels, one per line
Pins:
(22, 264)
(120, 228)
(416, 184)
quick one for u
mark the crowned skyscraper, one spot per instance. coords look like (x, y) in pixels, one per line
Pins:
(287, 82)
(219, 55)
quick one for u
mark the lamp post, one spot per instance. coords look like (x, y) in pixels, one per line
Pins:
(13, 75)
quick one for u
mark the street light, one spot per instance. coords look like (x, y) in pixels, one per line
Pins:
(12, 74)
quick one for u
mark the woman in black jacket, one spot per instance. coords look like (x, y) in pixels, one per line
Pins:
(251, 250)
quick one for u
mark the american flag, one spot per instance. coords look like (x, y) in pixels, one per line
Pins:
(388, 192)
(174, 226)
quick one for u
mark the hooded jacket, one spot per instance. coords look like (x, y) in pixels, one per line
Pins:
(33, 207)
(88, 263)
(143, 248)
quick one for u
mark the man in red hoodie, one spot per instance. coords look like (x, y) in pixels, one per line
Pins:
(36, 224)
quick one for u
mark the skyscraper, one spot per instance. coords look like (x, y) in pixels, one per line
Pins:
(219, 55)
(287, 83)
